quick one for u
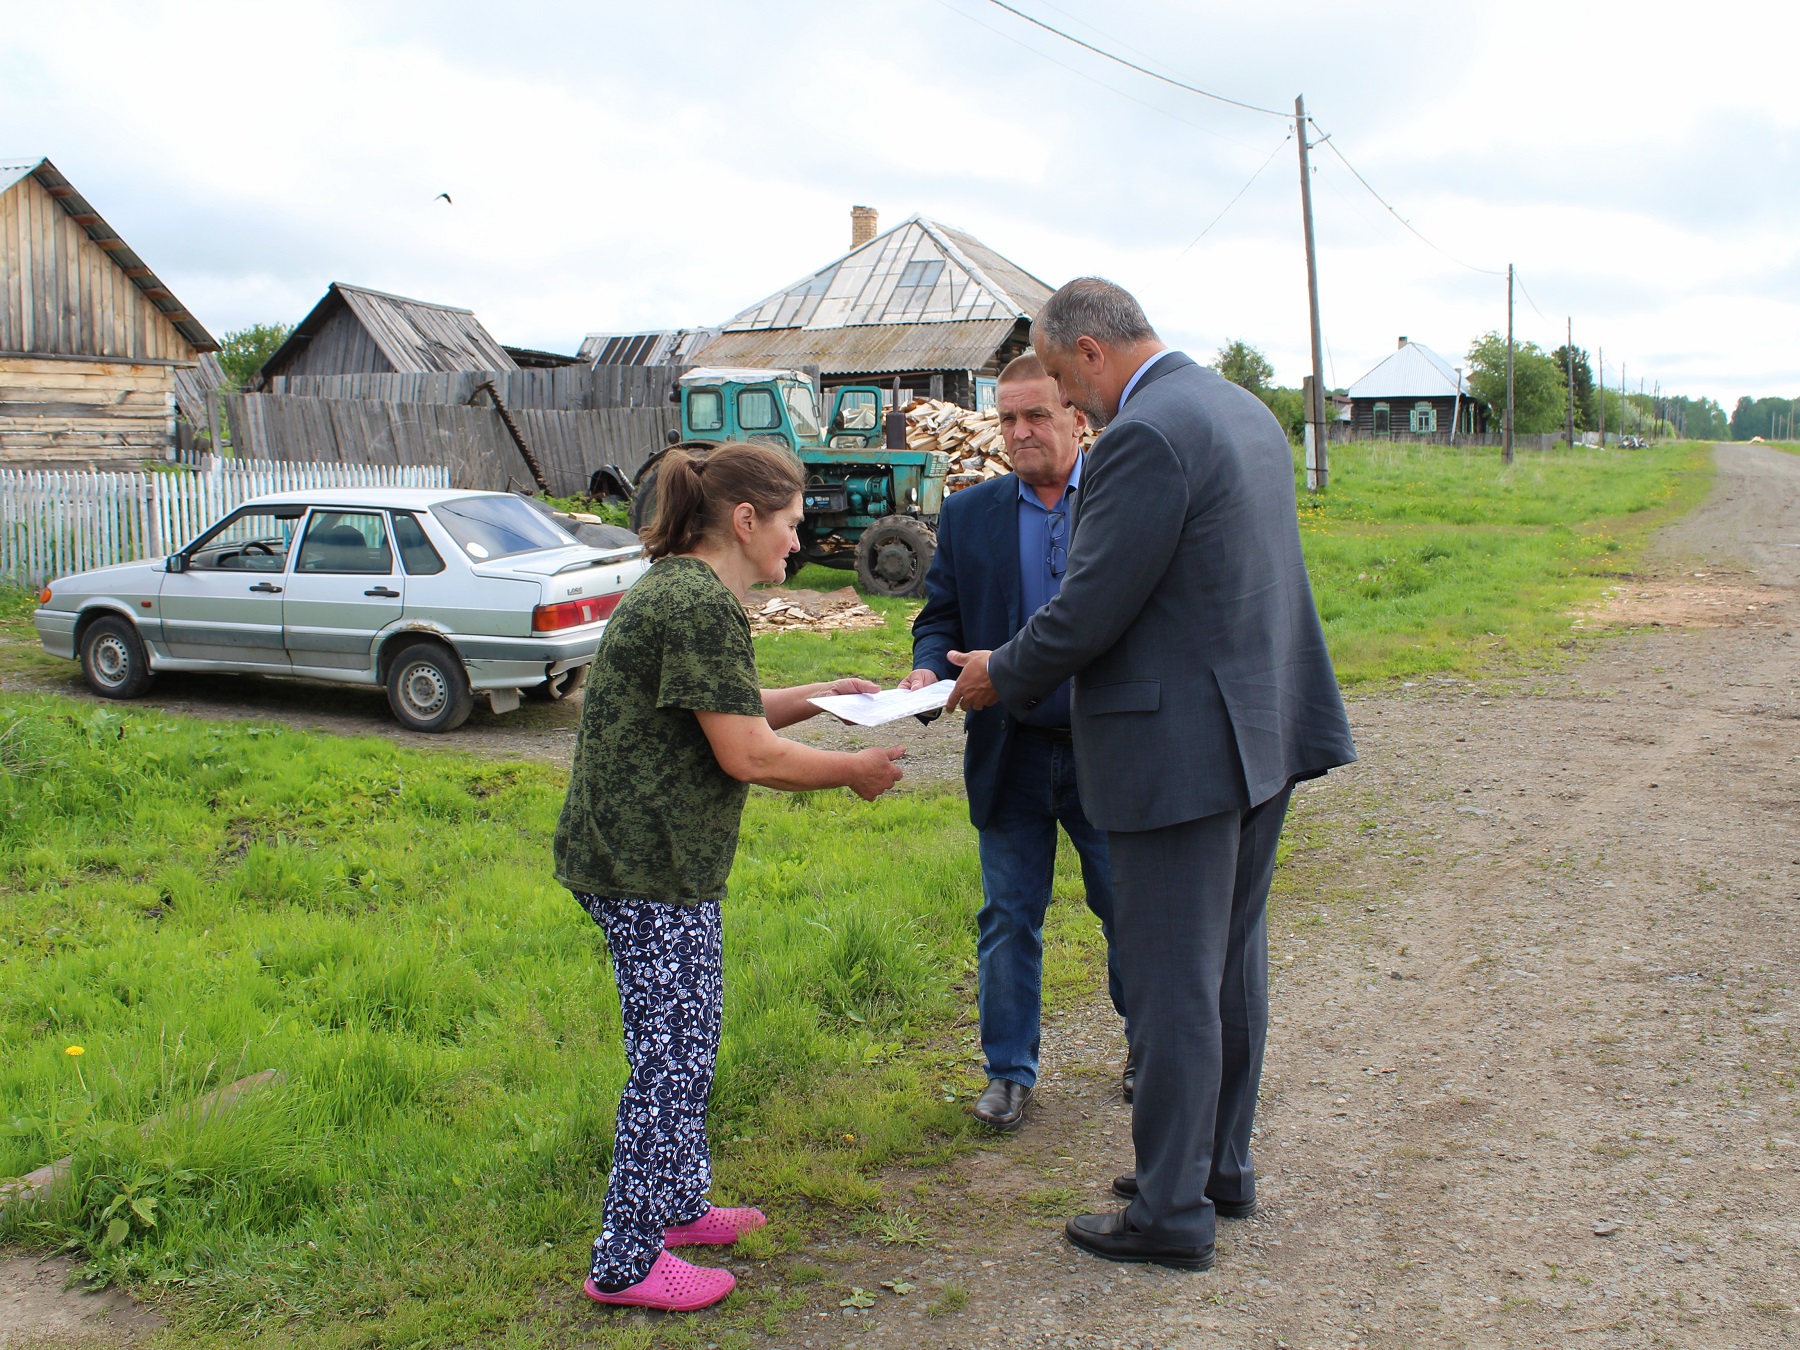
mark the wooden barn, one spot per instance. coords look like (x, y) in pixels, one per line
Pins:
(90, 339)
(356, 331)
(924, 302)
(1414, 392)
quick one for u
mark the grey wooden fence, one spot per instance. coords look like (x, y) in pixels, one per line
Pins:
(563, 388)
(471, 442)
(1342, 433)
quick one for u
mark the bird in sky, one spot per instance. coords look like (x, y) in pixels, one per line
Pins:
(443, 197)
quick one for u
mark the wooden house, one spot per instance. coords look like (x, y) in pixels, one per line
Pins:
(924, 303)
(356, 331)
(90, 338)
(1414, 392)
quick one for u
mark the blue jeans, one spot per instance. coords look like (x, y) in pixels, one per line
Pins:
(1018, 858)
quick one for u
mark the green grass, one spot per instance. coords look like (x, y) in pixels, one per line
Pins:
(191, 903)
(1431, 559)
(880, 654)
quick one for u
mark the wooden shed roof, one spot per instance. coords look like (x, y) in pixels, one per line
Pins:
(416, 336)
(108, 241)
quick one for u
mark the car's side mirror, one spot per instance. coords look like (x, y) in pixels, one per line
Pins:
(177, 563)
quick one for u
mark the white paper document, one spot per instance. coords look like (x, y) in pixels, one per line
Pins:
(871, 710)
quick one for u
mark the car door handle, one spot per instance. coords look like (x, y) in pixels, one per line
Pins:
(268, 587)
(383, 590)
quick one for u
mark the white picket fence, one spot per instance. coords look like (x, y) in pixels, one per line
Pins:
(52, 524)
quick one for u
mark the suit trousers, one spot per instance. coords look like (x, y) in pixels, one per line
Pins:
(1190, 906)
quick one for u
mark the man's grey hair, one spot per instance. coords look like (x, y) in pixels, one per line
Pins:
(1091, 307)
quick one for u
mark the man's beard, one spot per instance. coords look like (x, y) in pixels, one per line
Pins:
(1087, 400)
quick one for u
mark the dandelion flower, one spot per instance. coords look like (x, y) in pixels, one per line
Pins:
(74, 1050)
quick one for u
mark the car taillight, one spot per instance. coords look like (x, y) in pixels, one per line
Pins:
(573, 613)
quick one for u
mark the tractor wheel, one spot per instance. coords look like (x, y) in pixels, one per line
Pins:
(894, 554)
(643, 496)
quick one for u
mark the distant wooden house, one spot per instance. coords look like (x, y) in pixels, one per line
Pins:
(90, 339)
(356, 331)
(1414, 392)
(924, 302)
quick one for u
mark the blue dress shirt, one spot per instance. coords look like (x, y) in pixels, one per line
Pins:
(1043, 558)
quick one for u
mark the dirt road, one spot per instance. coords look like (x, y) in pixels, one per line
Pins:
(1532, 1079)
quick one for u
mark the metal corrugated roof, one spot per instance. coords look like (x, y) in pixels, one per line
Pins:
(134, 267)
(1413, 371)
(919, 272)
(862, 349)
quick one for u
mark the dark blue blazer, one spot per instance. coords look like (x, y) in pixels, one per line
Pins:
(1202, 683)
(972, 604)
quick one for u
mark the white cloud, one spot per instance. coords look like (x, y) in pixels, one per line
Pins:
(621, 165)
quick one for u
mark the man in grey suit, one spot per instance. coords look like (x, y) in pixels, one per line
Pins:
(1202, 693)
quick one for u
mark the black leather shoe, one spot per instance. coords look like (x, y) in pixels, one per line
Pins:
(1128, 1080)
(1002, 1105)
(1108, 1237)
(1126, 1188)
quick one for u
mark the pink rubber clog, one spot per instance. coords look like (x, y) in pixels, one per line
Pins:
(715, 1228)
(671, 1286)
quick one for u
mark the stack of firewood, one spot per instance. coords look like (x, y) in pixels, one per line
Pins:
(785, 611)
(973, 440)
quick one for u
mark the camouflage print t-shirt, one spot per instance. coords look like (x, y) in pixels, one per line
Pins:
(650, 814)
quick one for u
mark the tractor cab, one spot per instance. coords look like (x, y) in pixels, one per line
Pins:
(866, 506)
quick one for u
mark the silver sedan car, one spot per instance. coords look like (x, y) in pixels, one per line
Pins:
(439, 595)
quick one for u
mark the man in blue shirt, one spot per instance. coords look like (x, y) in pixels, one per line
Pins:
(1003, 546)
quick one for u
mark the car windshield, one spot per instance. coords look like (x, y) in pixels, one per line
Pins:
(498, 527)
(800, 408)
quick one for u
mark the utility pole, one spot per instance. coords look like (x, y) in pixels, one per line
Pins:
(1318, 468)
(1506, 453)
(1569, 361)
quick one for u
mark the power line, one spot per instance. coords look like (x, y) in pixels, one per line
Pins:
(1240, 192)
(1132, 65)
(1331, 145)
(1091, 79)
(1528, 300)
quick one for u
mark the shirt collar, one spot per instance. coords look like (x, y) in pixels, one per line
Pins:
(1029, 493)
(1132, 383)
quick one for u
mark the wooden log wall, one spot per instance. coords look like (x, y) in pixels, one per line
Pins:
(75, 414)
(471, 442)
(562, 388)
(61, 293)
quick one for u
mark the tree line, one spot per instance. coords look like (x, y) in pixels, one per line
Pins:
(1541, 382)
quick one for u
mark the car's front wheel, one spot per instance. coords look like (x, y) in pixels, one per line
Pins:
(428, 689)
(113, 660)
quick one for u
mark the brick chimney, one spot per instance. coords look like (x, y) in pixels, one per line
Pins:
(1403, 339)
(862, 225)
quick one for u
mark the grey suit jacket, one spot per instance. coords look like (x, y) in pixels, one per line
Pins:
(1202, 683)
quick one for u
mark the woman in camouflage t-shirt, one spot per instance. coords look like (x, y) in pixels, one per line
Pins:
(674, 729)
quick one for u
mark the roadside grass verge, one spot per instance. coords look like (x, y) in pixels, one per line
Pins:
(1439, 560)
(191, 903)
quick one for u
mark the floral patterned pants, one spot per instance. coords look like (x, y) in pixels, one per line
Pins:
(667, 960)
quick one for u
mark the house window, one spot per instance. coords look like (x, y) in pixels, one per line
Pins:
(987, 393)
(1424, 418)
(1379, 419)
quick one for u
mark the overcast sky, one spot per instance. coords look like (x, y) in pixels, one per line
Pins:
(621, 166)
